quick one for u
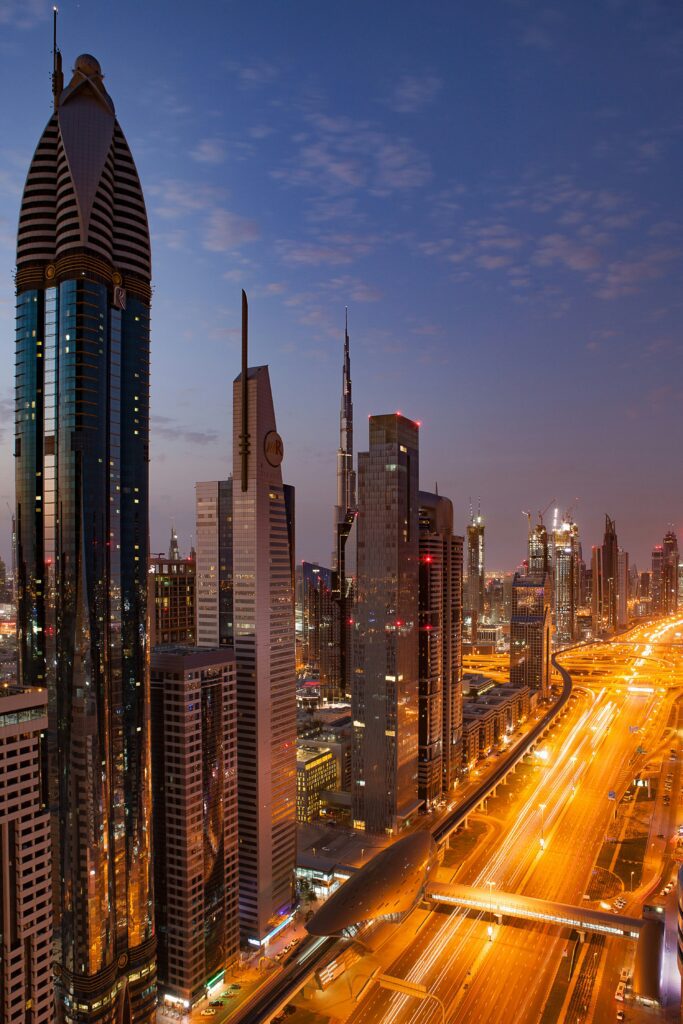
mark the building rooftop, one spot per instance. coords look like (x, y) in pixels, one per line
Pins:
(388, 887)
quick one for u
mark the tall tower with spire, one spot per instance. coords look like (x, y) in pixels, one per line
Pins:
(82, 450)
(334, 655)
(346, 476)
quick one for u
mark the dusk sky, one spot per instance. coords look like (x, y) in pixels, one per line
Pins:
(493, 189)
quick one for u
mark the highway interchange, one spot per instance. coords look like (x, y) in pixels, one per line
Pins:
(543, 834)
(623, 687)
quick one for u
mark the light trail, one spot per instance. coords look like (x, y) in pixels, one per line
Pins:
(555, 790)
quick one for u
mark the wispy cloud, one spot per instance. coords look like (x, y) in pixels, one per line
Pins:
(23, 14)
(413, 93)
(628, 276)
(256, 74)
(209, 151)
(168, 429)
(338, 155)
(225, 231)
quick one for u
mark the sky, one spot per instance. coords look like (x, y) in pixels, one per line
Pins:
(494, 191)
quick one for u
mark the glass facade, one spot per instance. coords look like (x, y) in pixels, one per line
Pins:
(385, 690)
(82, 507)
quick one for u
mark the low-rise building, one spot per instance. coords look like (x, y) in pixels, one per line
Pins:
(316, 771)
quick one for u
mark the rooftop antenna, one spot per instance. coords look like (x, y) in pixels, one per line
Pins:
(57, 75)
(244, 436)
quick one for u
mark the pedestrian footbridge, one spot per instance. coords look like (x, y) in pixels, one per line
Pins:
(508, 904)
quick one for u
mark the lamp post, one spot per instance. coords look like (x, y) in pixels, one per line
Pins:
(632, 881)
(408, 988)
(489, 930)
(541, 808)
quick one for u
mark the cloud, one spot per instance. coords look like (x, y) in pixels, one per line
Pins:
(626, 277)
(6, 415)
(333, 250)
(338, 155)
(168, 429)
(175, 198)
(561, 249)
(412, 93)
(209, 151)
(224, 231)
(23, 14)
(256, 75)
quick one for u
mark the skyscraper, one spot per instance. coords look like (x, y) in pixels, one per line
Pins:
(474, 585)
(538, 547)
(669, 573)
(657, 579)
(82, 450)
(264, 648)
(194, 772)
(605, 571)
(171, 596)
(26, 988)
(313, 611)
(440, 650)
(214, 586)
(385, 687)
(530, 632)
(622, 588)
(335, 667)
(566, 563)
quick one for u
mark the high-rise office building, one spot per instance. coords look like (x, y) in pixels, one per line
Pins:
(657, 579)
(538, 548)
(566, 568)
(440, 650)
(386, 663)
(314, 584)
(474, 585)
(622, 588)
(194, 778)
(336, 653)
(82, 451)
(214, 585)
(605, 574)
(171, 599)
(26, 987)
(530, 632)
(264, 648)
(669, 573)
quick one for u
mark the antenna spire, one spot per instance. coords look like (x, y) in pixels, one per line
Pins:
(244, 436)
(57, 75)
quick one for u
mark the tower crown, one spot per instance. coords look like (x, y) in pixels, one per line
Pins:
(82, 196)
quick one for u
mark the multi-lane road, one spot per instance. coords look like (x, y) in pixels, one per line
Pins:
(553, 835)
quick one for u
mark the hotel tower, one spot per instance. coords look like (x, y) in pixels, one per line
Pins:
(82, 386)
(264, 651)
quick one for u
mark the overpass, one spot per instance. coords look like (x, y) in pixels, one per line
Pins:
(460, 814)
(509, 904)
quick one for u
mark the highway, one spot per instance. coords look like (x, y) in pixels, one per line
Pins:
(593, 753)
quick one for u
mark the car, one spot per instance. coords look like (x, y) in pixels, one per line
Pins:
(625, 975)
(207, 1013)
(621, 1015)
(216, 1002)
(235, 986)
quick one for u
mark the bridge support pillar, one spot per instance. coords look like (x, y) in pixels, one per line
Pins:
(499, 918)
(582, 935)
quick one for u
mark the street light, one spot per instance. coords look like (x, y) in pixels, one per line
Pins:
(489, 930)
(541, 808)
(409, 988)
(632, 873)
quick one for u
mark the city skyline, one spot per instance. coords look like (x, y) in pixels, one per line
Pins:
(319, 190)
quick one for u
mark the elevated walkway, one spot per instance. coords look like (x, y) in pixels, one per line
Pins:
(510, 904)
